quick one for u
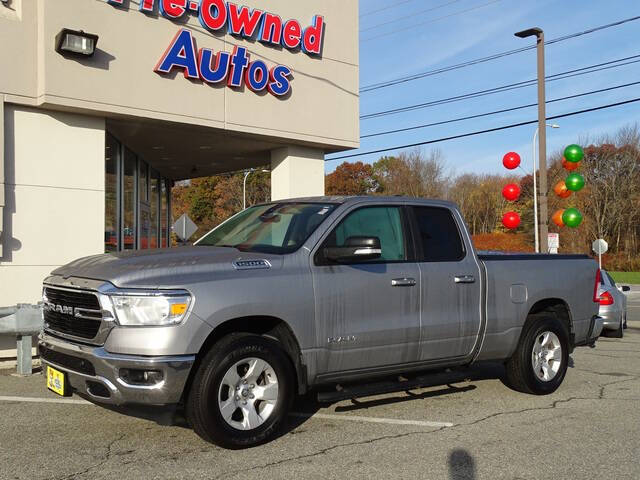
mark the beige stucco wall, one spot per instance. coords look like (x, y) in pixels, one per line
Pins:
(119, 79)
(54, 196)
(296, 172)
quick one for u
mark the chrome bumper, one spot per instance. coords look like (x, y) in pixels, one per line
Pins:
(175, 371)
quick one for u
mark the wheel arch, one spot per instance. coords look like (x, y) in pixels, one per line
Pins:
(267, 326)
(557, 307)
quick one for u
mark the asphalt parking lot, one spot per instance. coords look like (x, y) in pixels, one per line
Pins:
(478, 428)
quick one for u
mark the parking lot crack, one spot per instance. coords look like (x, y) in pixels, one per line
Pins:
(326, 450)
(105, 458)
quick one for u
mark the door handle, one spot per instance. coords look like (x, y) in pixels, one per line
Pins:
(464, 279)
(403, 282)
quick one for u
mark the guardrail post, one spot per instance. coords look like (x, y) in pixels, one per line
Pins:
(25, 366)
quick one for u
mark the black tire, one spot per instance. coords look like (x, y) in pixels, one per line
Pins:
(202, 403)
(520, 374)
(619, 332)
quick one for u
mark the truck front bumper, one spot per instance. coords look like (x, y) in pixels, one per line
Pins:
(106, 378)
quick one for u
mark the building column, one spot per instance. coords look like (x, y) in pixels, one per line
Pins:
(296, 172)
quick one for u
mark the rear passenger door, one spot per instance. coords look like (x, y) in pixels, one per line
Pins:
(367, 314)
(449, 285)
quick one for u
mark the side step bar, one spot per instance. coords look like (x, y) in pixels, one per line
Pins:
(401, 384)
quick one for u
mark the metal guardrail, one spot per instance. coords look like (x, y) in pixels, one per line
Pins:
(23, 321)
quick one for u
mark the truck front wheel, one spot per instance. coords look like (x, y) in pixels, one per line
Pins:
(241, 392)
(540, 362)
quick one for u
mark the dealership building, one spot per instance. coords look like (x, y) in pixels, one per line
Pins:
(105, 103)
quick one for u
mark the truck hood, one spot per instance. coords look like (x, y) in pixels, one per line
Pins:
(160, 268)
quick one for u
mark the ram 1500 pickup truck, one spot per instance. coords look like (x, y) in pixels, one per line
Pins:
(307, 293)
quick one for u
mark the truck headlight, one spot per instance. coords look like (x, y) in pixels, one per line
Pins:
(155, 310)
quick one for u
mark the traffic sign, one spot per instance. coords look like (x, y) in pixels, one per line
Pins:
(600, 246)
(184, 227)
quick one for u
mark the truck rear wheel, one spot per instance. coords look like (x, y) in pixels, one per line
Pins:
(242, 392)
(540, 362)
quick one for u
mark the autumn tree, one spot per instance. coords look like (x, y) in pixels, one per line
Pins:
(352, 179)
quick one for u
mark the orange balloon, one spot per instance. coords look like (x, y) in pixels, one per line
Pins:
(561, 190)
(557, 218)
(570, 166)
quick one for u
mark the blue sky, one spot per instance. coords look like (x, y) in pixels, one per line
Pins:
(477, 28)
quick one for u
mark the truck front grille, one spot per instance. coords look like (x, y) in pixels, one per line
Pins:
(72, 313)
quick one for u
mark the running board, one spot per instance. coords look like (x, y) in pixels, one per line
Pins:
(401, 384)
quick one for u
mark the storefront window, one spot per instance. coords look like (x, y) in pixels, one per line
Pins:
(129, 201)
(142, 181)
(136, 201)
(164, 213)
(112, 160)
(154, 204)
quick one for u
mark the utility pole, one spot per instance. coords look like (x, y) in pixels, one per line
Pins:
(542, 135)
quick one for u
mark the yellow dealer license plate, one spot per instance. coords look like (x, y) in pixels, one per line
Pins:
(55, 381)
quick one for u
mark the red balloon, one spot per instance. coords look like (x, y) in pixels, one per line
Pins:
(570, 166)
(511, 160)
(511, 192)
(511, 220)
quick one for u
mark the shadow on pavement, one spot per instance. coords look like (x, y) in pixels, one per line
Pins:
(462, 465)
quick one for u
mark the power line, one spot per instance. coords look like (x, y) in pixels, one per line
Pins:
(488, 58)
(505, 88)
(385, 8)
(409, 16)
(393, 32)
(495, 112)
(489, 130)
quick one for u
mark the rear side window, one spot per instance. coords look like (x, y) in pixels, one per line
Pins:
(382, 222)
(439, 236)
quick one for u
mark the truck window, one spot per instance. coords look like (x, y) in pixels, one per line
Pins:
(382, 222)
(272, 228)
(439, 236)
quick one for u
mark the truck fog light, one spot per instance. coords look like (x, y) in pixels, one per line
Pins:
(134, 376)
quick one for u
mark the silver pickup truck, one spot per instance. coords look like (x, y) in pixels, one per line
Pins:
(308, 294)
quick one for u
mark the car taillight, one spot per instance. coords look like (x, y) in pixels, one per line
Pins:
(596, 297)
(606, 299)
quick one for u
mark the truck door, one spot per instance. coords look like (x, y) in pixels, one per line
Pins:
(450, 285)
(367, 314)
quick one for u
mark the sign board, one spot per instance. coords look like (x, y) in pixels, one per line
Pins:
(184, 227)
(553, 240)
(600, 246)
(237, 68)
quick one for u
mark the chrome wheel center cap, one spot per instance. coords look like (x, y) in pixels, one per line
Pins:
(245, 392)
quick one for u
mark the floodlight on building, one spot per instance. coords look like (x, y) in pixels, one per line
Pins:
(76, 42)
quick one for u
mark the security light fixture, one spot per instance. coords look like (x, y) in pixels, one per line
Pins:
(76, 42)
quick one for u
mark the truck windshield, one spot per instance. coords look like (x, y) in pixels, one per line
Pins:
(272, 228)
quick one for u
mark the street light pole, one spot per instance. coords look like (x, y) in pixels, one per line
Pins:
(535, 195)
(542, 138)
(244, 186)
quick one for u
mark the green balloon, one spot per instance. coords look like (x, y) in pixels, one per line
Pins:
(573, 153)
(574, 182)
(572, 217)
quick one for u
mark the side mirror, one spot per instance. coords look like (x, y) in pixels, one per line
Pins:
(626, 288)
(355, 249)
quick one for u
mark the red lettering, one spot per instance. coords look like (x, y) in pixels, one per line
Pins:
(243, 21)
(146, 5)
(291, 34)
(271, 28)
(213, 14)
(312, 39)
(173, 8)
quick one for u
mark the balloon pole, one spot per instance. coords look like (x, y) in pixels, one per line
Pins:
(599, 260)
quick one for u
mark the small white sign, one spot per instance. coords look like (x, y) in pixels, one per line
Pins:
(184, 227)
(600, 246)
(554, 242)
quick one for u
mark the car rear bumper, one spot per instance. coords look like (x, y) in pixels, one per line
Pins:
(611, 319)
(98, 375)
